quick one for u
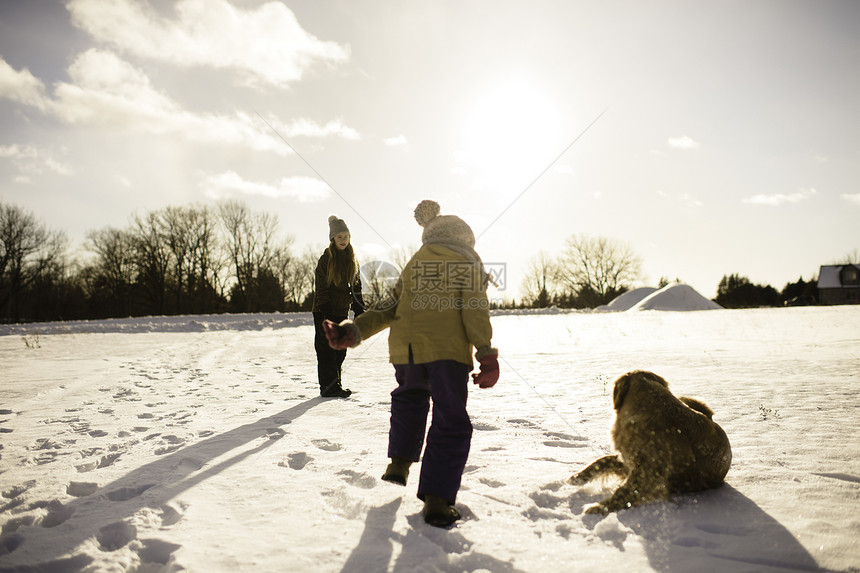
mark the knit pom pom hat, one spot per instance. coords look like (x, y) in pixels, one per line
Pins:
(442, 227)
(336, 226)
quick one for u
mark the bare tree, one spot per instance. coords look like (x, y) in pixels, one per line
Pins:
(152, 257)
(297, 276)
(27, 251)
(598, 268)
(111, 277)
(252, 247)
(189, 233)
(401, 255)
(538, 285)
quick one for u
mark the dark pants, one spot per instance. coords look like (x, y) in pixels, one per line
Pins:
(450, 435)
(329, 360)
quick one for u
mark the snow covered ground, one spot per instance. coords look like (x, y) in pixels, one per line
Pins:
(200, 444)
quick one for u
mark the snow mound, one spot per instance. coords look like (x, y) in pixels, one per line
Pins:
(677, 297)
(627, 300)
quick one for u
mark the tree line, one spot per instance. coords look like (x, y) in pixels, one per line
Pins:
(228, 258)
(592, 271)
(176, 260)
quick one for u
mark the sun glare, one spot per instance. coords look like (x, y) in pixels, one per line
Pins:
(510, 132)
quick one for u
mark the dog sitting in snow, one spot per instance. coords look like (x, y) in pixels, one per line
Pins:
(666, 445)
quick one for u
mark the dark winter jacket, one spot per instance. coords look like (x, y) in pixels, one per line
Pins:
(332, 300)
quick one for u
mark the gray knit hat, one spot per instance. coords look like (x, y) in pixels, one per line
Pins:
(442, 227)
(336, 226)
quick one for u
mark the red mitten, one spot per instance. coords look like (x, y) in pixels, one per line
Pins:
(489, 374)
(339, 336)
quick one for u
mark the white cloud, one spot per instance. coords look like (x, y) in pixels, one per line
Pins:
(21, 86)
(683, 142)
(395, 141)
(30, 159)
(308, 128)
(855, 198)
(265, 45)
(781, 198)
(106, 91)
(230, 184)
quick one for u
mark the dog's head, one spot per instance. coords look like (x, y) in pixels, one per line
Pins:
(622, 385)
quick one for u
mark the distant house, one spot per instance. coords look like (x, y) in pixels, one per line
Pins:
(839, 284)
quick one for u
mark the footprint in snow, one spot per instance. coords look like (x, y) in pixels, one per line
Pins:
(326, 445)
(15, 497)
(171, 444)
(358, 479)
(116, 536)
(522, 423)
(491, 482)
(562, 440)
(563, 444)
(86, 466)
(127, 493)
(167, 449)
(81, 488)
(156, 551)
(105, 461)
(43, 458)
(170, 515)
(296, 461)
(17, 490)
(482, 427)
(17, 523)
(57, 514)
(275, 433)
(189, 465)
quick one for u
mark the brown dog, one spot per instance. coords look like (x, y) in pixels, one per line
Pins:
(666, 445)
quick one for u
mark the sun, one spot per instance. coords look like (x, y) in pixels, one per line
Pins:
(510, 132)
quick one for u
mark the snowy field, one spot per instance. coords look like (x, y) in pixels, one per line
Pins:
(200, 444)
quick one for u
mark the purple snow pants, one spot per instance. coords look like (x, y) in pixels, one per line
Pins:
(446, 382)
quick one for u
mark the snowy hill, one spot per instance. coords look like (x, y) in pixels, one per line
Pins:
(200, 444)
(627, 300)
(678, 297)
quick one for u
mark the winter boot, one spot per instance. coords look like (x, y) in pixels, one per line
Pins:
(397, 471)
(438, 513)
(335, 390)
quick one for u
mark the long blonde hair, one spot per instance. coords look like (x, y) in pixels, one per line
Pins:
(342, 266)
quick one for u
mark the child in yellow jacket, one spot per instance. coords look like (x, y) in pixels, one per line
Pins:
(438, 314)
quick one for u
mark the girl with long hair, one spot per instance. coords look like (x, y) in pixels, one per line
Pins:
(337, 289)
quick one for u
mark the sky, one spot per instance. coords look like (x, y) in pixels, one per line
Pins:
(712, 137)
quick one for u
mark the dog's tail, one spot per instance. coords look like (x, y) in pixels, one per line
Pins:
(698, 406)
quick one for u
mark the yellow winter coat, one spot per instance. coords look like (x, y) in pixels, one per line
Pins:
(440, 309)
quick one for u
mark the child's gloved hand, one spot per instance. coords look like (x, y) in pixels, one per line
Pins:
(341, 336)
(489, 373)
